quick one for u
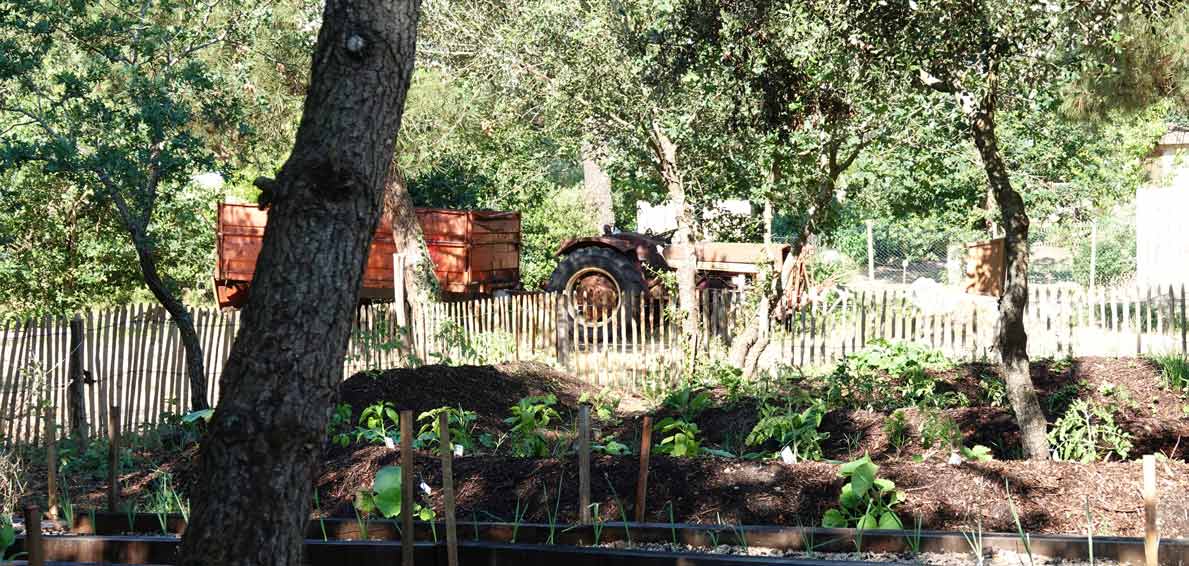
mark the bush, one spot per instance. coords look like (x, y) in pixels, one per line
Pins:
(896, 429)
(796, 431)
(559, 217)
(1116, 249)
(1087, 433)
(530, 417)
(939, 429)
(886, 375)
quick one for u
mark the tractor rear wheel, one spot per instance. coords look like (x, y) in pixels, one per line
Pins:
(595, 283)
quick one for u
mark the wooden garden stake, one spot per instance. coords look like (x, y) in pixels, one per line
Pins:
(584, 462)
(645, 454)
(406, 510)
(113, 460)
(51, 466)
(447, 450)
(1151, 534)
(33, 546)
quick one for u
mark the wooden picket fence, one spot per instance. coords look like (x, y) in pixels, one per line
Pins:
(134, 358)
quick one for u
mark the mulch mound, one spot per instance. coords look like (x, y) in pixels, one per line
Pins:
(1051, 497)
(487, 390)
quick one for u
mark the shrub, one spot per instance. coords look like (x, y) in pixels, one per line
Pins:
(887, 374)
(529, 418)
(603, 404)
(788, 428)
(1087, 432)
(866, 501)
(379, 423)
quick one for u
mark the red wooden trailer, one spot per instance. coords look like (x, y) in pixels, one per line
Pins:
(474, 252)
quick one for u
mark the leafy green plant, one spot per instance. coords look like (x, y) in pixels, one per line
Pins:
(679, 438)
(460, 422)
(896, 429)
(338, 427)
(603, 404)
(976, 453)
(379, 423)
(886, 375)
(687, 402)
(611, 447)
(372, 346)
(993, 390)
(1087, 432)
(1059, 401)
(8, 534)
(385, 497)
(530, 417)
(1174, 371)
(798, 431)
(866, 501)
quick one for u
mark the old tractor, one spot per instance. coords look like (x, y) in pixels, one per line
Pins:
(597, 273)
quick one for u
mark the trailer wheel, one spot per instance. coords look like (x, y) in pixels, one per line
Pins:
(593, 282)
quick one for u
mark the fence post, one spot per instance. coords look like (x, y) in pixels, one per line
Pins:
(870, 250)
(33, 545)
(51, 465)
(642, 481)
(447, 450)
(1151, 534)
(1093, 254)
(406, 511)
(563, 330)
(113, 471)
(77, 401)
(584, 463)
(398, 288)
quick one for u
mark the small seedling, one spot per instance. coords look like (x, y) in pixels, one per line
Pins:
(67, 506)
(914, 540)
(1025, 539)
(1089, 531)
(321, 520)
(552, 516)
(597, 527)
(974, 539)
(672, 523)
(518, 518)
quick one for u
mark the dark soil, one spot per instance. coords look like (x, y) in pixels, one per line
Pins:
(487, 390)
(1049, 496)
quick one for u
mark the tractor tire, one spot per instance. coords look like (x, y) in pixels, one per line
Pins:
(593, 282)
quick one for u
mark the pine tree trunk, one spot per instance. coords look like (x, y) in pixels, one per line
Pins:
(1011, 339)
(259, 458)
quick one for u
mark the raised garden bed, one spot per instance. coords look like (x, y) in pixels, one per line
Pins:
(345, 543)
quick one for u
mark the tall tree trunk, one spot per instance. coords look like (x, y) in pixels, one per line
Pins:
(665, 152)
(420, 283)
(1011, 339)
(596, 188)
(259, 457)
(76, 390)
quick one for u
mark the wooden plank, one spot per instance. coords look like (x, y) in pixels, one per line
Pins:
(1151, 530)
(642, 477)
(5, 388)
(406, 464)
(113, 459)
(446, 448)
(584, 463)
(20, 382)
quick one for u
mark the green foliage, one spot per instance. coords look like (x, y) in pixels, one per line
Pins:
(886, 375)
(866, 501)
(798, 431)
(460, 422)
(896, 429)
(530, 417)
(1174, 371)
(1059, 401)
(386, 497)
(338, 426)
(1116, 245)
(373, 345)
(679, 438)
(603, 404)
(611, 447)
(993, 390)
(379, 423)
(687, 402)
(91, 464)
(939, 429)
(8, 534)
(1087, 433)
(977, 453)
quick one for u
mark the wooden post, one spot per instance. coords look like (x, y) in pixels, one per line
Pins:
(447, 450)
(563, 327)
(1093, 254)
(406, 468)
(870, 251)
(113, 459)
(76, 390)
(642, 481)
(51, 465)
(584, 463)
(33, 546)
(398, 289)
(1151, 534)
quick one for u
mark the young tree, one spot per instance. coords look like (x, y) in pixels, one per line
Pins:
(986, 57)
(118, 100)
(258, 460)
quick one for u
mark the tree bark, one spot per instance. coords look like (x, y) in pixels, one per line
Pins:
(258, 460)
(77, 396)
(665, 152)
(596, 187)
(421, 286)
(1011, 339)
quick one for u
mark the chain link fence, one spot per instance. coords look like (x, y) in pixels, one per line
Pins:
(1100, 251)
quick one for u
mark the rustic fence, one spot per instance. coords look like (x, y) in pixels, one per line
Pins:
(133, 356)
